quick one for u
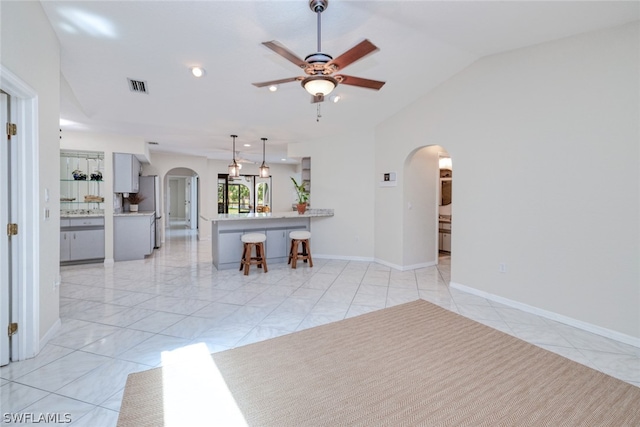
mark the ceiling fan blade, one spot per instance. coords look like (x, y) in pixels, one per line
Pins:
(285, 53)
(359, 81)
(357, 52)
(277, 82)
(317, 98)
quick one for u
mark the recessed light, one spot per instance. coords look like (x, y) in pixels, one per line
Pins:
(246, 145)
(335, 98)
(273, 88)
(284, 160)
(198, 71)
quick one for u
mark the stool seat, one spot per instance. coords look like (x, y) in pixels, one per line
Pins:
(253, 238)
(300, 235)
(251, 241)
(300, 238)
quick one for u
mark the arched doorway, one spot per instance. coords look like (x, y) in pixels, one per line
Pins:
(426, 213)
(182, 198)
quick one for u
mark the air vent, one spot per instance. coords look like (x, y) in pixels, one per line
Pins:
(138, 86)
(153, 143)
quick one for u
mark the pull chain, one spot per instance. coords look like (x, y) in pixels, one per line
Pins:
(318, 115)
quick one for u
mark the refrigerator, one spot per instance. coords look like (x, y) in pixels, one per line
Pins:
(150, 189)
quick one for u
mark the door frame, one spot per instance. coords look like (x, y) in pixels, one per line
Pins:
(25, 291)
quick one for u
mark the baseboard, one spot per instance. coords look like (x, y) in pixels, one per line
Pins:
(53, 330)
(405, 267)
(343, 258)
(599, 330)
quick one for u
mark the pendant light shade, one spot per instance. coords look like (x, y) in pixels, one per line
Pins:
(264, 169)
(234, 168)
(319, 85)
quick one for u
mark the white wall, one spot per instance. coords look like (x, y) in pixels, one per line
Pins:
(30, 50)
(546, 152)
(341, 179)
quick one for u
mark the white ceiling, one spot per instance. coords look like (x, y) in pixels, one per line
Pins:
(422, 43)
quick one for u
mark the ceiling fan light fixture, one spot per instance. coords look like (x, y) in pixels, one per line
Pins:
(198, 71)
(264, 169)
(319, 85)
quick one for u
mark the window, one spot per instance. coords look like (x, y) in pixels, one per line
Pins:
(245, 194)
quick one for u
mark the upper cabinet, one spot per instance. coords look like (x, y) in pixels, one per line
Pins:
(126, 172)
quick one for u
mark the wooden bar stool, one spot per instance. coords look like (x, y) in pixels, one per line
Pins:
(300, 238)
(253, 240)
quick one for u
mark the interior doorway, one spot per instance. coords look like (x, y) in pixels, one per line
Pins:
(182, 198)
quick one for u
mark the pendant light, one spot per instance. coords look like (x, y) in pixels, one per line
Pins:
(234, 168)
(264, 169)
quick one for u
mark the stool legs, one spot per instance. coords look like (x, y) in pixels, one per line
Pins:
(305, 255)
(258, 260)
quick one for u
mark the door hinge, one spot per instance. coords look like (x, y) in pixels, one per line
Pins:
(12, 329)
(12, 129)
(12, 229)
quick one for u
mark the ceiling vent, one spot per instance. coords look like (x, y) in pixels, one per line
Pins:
(138, 86)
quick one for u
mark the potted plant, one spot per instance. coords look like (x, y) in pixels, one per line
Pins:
(134, 201)
(303, 195)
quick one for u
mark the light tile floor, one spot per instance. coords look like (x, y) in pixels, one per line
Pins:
(119, 319)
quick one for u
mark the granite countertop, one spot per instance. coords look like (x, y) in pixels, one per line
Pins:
(81, 215)
(139, 213)
(310, 213)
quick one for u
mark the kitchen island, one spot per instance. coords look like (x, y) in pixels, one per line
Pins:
(227, 229)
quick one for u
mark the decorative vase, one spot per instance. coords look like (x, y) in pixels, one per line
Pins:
(133, 208)
(302, 207)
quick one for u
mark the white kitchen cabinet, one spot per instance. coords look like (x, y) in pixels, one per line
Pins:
(445, 242)
(126, 173)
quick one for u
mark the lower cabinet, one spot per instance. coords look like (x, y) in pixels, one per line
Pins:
(445, 242)
(277, 243)
(82, 240)
(133, 236)
(230, 247)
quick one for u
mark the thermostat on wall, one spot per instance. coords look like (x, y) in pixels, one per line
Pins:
(388, 179)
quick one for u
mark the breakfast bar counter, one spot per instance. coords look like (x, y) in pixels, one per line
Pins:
(227, 229)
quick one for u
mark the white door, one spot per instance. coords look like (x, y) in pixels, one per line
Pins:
(5, 241)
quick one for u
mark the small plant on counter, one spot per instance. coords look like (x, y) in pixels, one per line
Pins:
(134, 201)
(135, 198)
(303, 195)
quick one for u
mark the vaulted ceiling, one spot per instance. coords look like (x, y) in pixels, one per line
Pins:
(422, 44)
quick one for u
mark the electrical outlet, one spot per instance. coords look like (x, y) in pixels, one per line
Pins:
(502, 267)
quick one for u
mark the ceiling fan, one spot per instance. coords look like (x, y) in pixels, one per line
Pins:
(319, 67)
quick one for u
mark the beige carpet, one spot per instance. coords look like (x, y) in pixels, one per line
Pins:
(413, 364)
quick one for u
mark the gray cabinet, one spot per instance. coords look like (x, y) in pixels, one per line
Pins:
(230, 247)
(126, 173)
(81, 240)
(132, 236)
(277, 243)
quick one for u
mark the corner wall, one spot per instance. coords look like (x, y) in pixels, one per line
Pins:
(342, 179)
(30, 50)
(545, 144)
